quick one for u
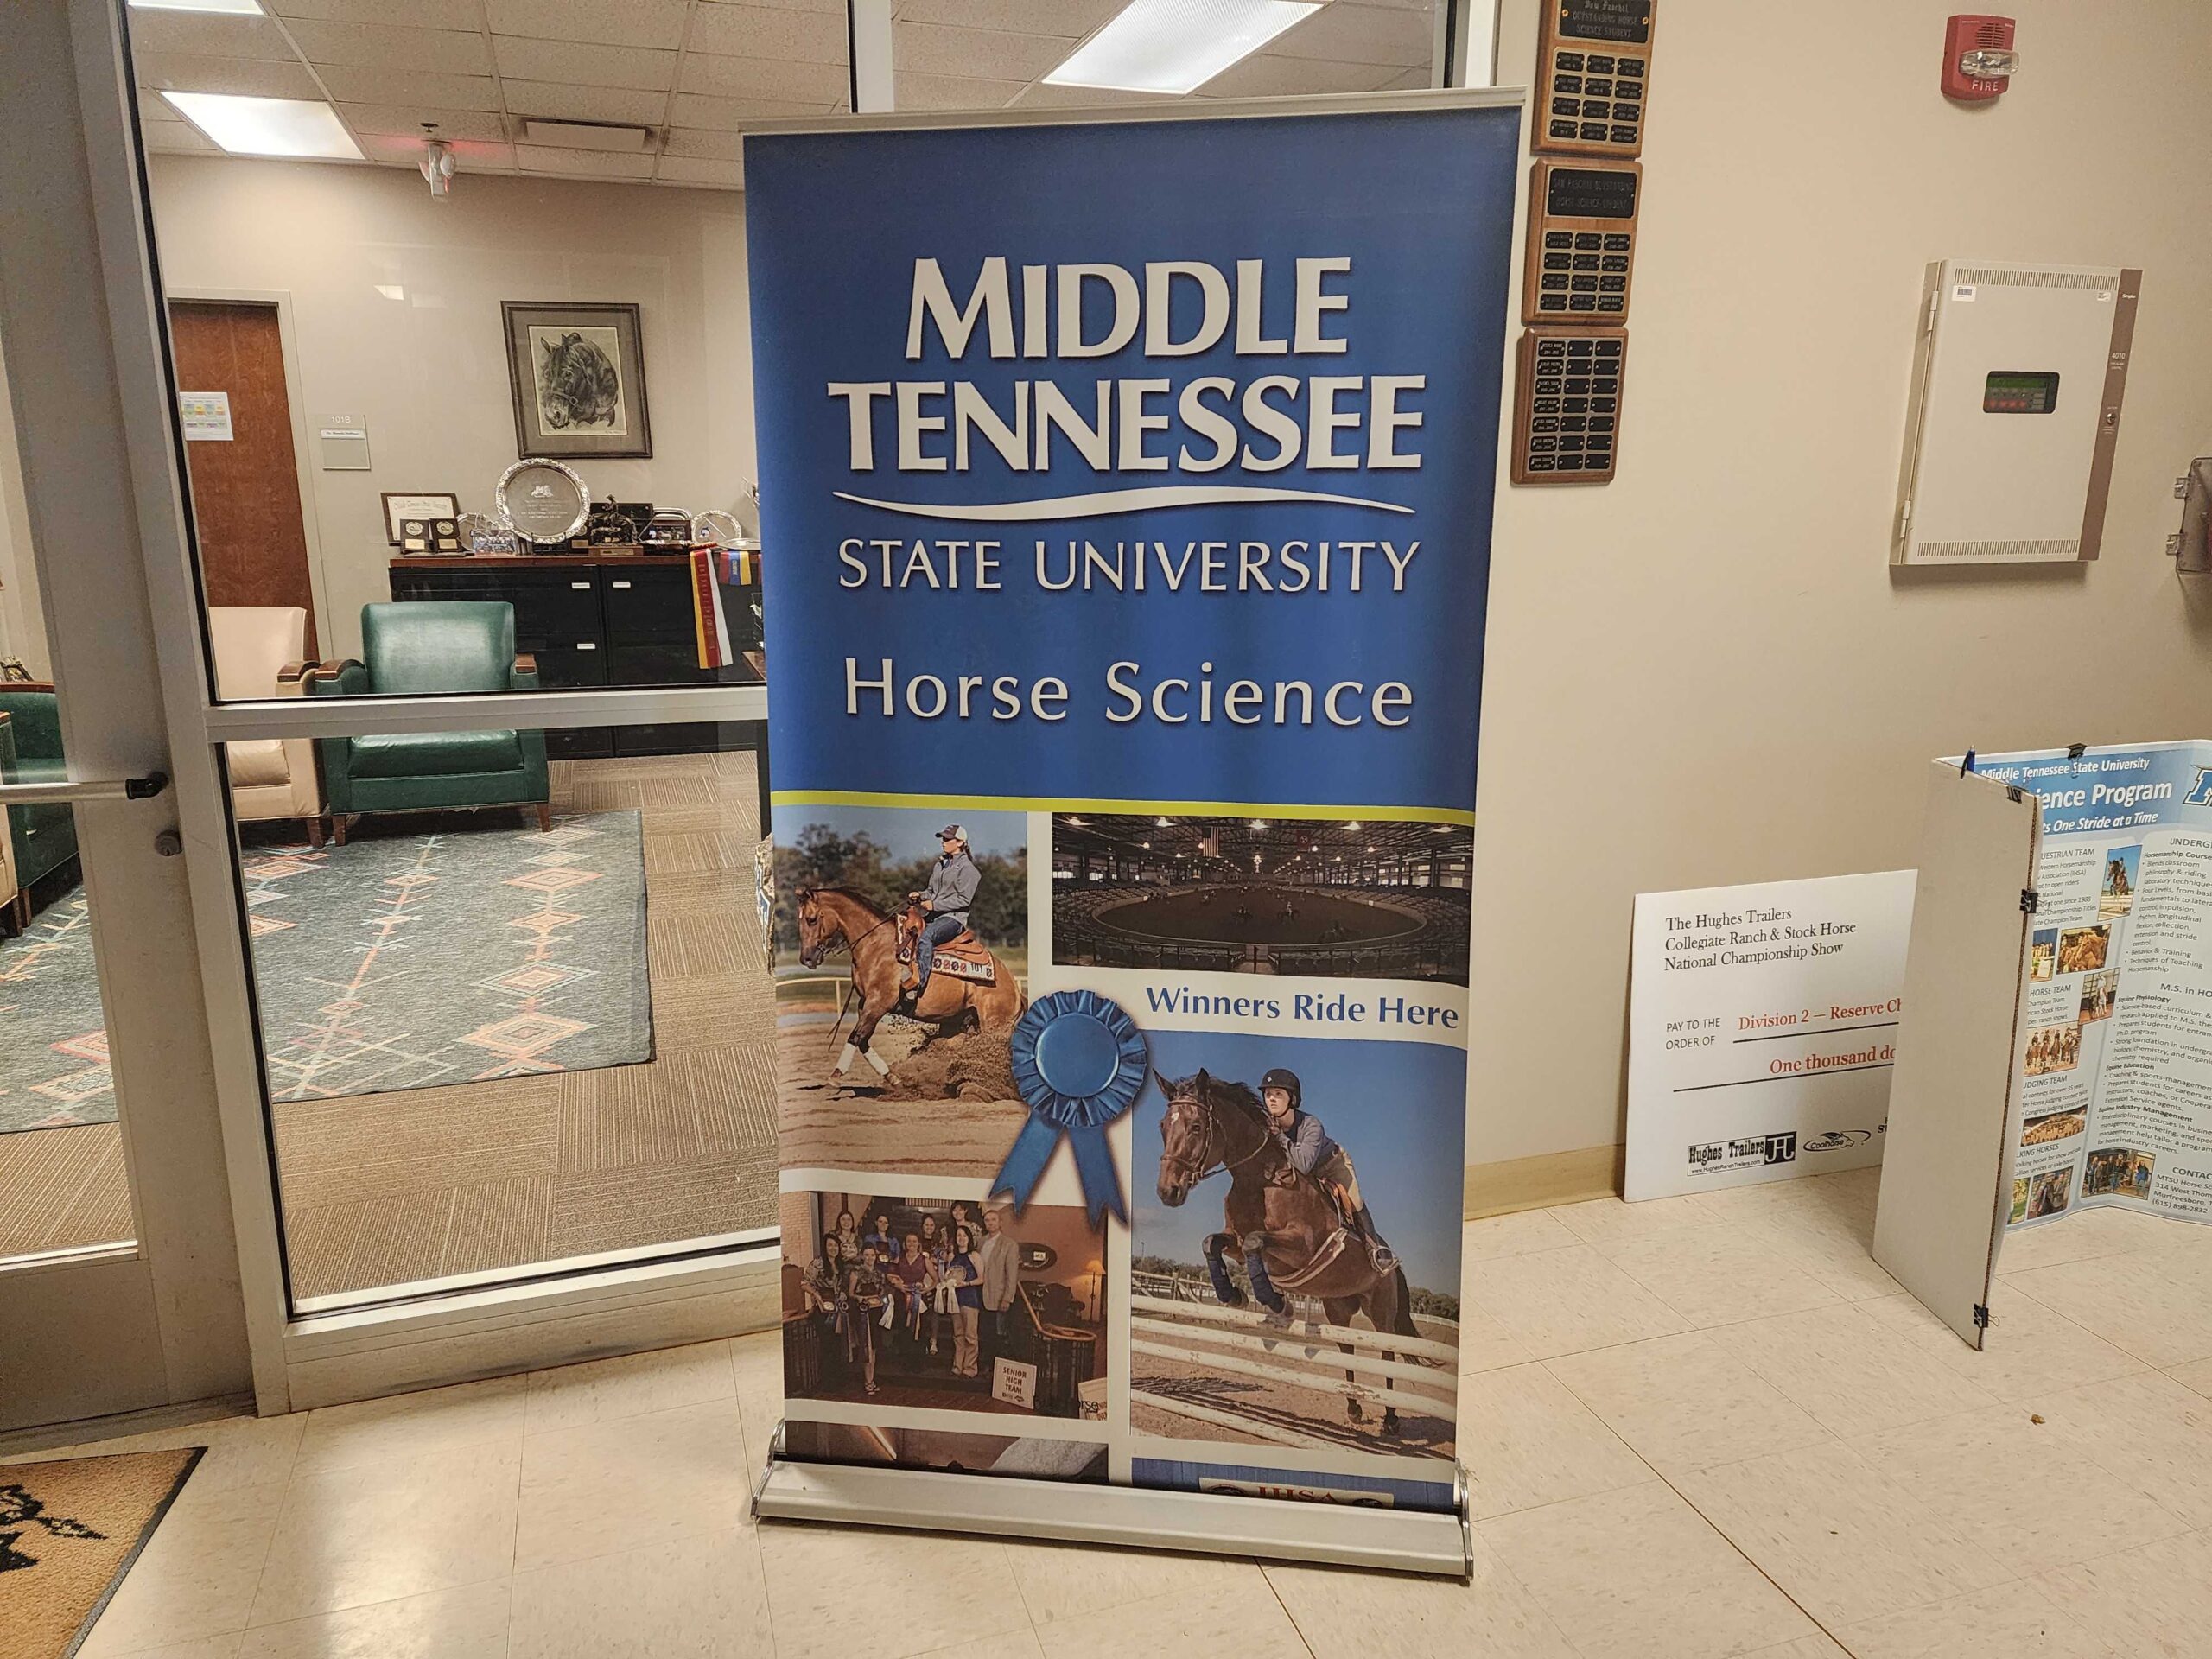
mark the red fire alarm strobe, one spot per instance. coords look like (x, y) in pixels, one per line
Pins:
(1978, 57)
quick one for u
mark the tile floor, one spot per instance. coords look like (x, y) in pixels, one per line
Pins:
(1701, 1427)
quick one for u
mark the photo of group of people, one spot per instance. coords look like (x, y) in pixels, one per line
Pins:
(2042, 953)
(2118, 1169)
(2054, 1048)
(942, 1303)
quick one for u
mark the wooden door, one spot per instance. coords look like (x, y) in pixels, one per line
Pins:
(245, 487)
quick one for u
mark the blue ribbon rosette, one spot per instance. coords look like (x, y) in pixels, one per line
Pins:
(1080, 1062)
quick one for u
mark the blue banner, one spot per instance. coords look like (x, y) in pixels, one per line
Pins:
(1126, 496)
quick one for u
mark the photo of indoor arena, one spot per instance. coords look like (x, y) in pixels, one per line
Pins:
(1313, 897)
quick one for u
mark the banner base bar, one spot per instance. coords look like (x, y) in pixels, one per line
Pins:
(1394, 1541)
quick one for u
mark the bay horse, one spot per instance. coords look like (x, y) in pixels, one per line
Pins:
(829, 916)
(1277, 1222)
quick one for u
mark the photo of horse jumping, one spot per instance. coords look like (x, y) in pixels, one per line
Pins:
(1288, 1232)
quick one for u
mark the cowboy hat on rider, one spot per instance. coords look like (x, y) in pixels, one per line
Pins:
(944, 902)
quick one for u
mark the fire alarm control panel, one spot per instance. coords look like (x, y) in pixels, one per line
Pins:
(1594, 77)
(2017, 383)
(1581, 241)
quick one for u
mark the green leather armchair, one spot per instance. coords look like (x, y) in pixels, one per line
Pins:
(432, 647)
(41, 838)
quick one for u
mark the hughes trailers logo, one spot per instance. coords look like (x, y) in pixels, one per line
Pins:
(1761, 1149)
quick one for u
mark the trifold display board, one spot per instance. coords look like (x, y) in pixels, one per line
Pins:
(1946, 1163)
(2067, 1059)
(1127, 490)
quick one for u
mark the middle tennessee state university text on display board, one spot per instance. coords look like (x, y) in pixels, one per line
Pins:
(1127, 501)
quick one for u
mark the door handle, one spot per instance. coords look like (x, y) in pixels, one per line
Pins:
(89, 789)
(617, 584)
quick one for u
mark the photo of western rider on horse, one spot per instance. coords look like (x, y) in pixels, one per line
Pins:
(938, 916)
(931, 943)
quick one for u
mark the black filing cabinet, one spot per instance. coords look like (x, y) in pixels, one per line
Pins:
(615, 621)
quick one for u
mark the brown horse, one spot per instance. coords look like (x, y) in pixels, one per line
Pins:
(1279, 1224)
(829, 916)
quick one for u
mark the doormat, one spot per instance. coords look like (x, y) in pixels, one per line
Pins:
(394, 962)
(69, 1531)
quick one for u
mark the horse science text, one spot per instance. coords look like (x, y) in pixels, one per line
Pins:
(1127, 445)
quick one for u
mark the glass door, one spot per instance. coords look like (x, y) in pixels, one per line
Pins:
(118, 1271)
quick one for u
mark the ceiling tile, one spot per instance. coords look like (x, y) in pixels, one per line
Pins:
(767, 32)
(213, 35)
(731, 114)
(175, 138)
(379, 46)
(986, 54)
(912, 92)
(634, 66)
(1352, 33)
(582, 163)
(699, 143)
(566, 102)
(629, 22)
(1265, 75)
(353, 84)
(407, 120)
(1069, 18)
(744, 78)
(185, 72)
(407, 14)
(835, 7)
(470, 157)
(478, 125)
(696, 169)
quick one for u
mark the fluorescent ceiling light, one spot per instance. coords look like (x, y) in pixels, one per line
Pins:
(238, 8)
(1176, 46)
(268, 126)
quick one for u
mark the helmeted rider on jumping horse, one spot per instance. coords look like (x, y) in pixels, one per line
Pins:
(1314, 1152)
(944, 904)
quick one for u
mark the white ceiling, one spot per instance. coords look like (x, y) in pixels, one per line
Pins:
(697, 72)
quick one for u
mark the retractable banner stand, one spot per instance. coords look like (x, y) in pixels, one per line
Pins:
(1127, 490)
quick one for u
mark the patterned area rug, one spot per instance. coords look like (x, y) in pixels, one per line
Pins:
(69, 1531)
(52, 1039)
(415, 961)
(400, 962)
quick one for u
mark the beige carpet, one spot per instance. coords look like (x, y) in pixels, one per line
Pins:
(69, 1531)
(390, 1188)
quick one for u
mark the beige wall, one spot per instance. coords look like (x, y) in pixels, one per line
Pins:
(429, 370)
(1706, 672)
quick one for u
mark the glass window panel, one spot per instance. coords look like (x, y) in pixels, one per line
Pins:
(62, 1181)
(496, 1043)
(359, 365)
